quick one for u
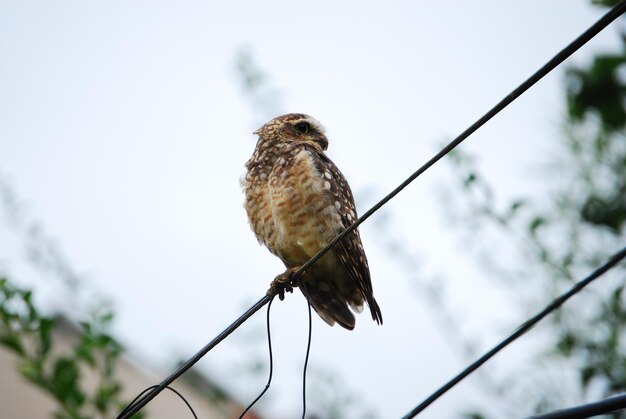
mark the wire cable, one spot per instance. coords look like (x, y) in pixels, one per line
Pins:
(172, 390)
(184, 400)
(565, 53)
(521, 330)
(306, 363)
(140, 402)
(613, 14)
(603, 407)
(269, 379)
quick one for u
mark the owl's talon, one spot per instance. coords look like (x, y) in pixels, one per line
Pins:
(283, 282)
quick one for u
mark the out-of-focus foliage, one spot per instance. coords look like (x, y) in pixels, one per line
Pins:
(58, 371)
(598, 89)
(608, 3)
(597, 94)
(572, 224)
(262, 95)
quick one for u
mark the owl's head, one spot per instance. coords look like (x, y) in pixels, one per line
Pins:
(294, 127)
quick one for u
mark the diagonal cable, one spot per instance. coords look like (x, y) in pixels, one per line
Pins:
(613, 14)
(525, 327)
(604, 21)
(603, 407)
(136, 406)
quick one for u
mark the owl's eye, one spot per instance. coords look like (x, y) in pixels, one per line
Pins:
(303, 127)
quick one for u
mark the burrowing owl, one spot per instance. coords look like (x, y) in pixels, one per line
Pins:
(297, 202)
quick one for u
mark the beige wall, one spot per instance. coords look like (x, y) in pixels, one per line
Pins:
(20, 399)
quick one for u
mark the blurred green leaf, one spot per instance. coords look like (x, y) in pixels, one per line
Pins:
(566, 344)
(535, 223)
(12, 342)
(609, 212)
(33, 370)
(606, 3)
(616, 302)
(598, 89)
(586, 374)
(64, 382)
(45, 334)
(105, 395)
(516, 204)
(469, 180)
(86, 355)
(106, 318)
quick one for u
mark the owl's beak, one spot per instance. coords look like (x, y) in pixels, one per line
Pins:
(323, 141)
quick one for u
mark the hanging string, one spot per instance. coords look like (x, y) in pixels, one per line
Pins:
(171, 389)
(306, 363)
(269, 379)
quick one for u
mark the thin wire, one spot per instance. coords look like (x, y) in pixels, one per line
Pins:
(306, 363)
(525, 327)
(137, 398)
(171, 389)
(140, 402)
(269, 379)
(603, 407)
(613, 14)
(185, 400)
(604, 21)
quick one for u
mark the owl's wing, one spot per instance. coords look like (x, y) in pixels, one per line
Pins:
(350, 249)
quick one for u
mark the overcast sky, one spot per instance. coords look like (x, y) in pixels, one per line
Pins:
(124, 130)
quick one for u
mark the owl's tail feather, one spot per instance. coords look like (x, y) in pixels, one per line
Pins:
(374, 309)
(328, 304)
(358, 299)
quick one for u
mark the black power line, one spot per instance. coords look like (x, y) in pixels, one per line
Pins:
(137, 405)
(613, 14)
(173, 391)
(603, 407)
(542, 72)
(525, 327)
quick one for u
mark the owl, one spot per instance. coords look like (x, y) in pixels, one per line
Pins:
(297, 201)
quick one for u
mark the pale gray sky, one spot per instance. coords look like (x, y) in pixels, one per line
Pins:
(123, 128)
